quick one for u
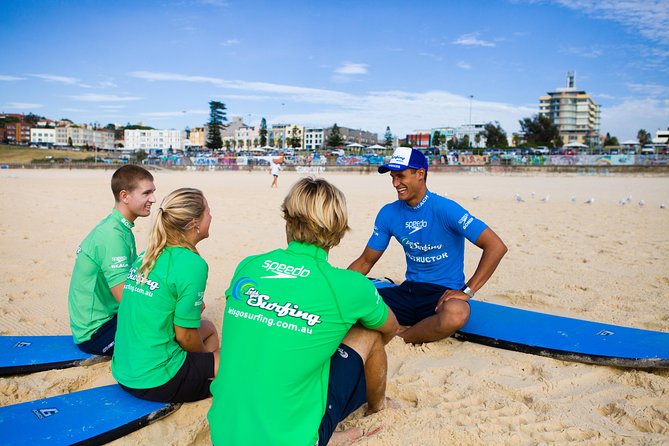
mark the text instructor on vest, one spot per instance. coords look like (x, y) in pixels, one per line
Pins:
(431, 229)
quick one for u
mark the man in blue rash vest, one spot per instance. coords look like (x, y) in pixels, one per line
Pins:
(432, 231)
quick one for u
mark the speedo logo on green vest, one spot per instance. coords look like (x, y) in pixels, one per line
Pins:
(283, 271)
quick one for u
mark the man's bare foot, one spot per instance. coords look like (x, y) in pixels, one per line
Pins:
(345, 438)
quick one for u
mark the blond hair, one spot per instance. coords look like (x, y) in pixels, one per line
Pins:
(315, 213)
(176, 215)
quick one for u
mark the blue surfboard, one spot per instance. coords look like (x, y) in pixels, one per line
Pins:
(562, 337)
(88, 417)
(29, 354)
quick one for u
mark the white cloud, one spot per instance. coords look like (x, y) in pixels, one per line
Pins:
(230, 42)
(403, 111)
(313, 95)
(352, 69)
(93, 97)
(168, 114)
(112, 107)
(10, 78)
(59, 79)
(464, 65)
(472, 40)
(586, 52)
(21, 105)
(624, 120)
(650, 18)
(654, 90)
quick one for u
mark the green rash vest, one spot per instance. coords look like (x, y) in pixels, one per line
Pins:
(286, 313)
(103, 260)
(146, 352)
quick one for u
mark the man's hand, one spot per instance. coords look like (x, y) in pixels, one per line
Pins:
(450, 294)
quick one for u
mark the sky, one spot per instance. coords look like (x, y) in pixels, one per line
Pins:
(361, 64)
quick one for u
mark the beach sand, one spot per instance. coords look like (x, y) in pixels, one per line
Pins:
(602, 261)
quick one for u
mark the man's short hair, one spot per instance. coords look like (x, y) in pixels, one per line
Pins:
(127, 178)
(315, 213)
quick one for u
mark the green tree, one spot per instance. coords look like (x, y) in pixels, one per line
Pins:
(495, 135)
(335, 139)
(451, 144)
(643, 137)
(263, 132)
(540, 131)
(141, 155)
(294, 140)
(216, 119)
(32, 119)
(437, 139)
(388, 138)
(610, 140)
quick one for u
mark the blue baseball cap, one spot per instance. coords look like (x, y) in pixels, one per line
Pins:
(405, 158)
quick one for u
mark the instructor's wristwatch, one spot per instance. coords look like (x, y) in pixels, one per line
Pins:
(468, 291)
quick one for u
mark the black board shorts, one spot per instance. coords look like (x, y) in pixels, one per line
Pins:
(412, 301)
(191, 383)
(102, 341)
(347, 390)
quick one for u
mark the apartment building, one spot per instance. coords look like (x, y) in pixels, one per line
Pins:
(83, 135)
(574, 112)
(314, 139)
(154, 139)
(43, 136)
(350, 136)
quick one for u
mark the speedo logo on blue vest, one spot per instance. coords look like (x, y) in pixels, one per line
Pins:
(416, 225)
(284, 271)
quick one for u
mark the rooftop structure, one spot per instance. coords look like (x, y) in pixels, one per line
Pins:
(574, 112)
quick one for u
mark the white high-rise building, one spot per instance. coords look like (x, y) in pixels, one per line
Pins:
(574, 112)
(154, 139)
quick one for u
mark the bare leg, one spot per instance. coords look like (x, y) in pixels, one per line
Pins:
(451, 316)
(369, 345)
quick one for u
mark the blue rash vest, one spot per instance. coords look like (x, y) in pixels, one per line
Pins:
(432, 234)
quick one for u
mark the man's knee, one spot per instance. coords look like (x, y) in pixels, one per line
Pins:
(455, 314)
(363, 340)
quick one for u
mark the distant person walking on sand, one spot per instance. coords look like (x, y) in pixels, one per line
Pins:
(274, 169)
(432, 230)
(164, 350)
(296, 358)
(103, 261)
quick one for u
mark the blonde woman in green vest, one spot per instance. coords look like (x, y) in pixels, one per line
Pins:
(164, 350)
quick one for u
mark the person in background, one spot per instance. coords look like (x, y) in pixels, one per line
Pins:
(303, 342)
(274, 170)
(164, 350)
(103, 261)
(432, 231)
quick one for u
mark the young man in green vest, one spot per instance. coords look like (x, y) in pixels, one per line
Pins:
(103, 261)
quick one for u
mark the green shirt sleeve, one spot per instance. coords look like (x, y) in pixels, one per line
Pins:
(190, 285)
(115, 256)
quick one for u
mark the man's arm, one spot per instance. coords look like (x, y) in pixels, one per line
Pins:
(493, 250)
(117, 291)
(189, 339)
(389, 328)
(366, 261)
